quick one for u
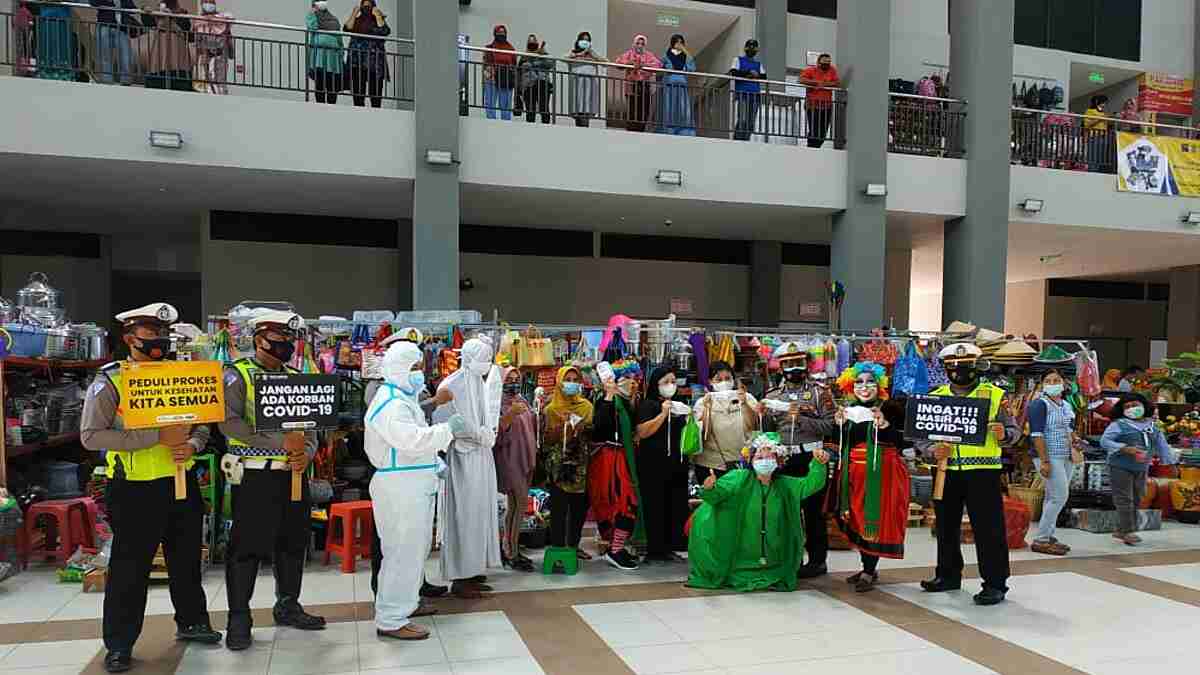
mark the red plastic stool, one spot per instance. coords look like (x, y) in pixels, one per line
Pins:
(354, 516)
(68, 520)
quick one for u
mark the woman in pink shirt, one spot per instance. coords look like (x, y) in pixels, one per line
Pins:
(637, 82)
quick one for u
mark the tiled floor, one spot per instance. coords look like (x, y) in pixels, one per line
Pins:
(1076, 620)
(47, 658)
(761, 634)
(1186, 575)
(463, 643)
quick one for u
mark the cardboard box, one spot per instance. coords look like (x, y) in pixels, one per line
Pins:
(1101, 522)
(94, 581)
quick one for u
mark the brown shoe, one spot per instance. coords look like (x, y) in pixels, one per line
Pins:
(465, 591)
(1127, 539)
(424, 609)
(410, 632)
(1048, 548)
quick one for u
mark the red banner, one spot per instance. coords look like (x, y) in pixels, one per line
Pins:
(1165, 94)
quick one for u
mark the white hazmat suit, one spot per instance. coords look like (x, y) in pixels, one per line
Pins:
(470, 521)
(404, 450)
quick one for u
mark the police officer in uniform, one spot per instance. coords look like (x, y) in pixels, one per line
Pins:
(267, 524)
(141, 500)
(972, 480)
(802, 429)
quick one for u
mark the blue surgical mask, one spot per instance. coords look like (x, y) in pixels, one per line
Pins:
(765, 467)
(1137, 412)
(572, 388)
(584, 44)
(416, 380)
(1053, 389)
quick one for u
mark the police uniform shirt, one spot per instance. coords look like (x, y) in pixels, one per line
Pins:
(98, 421)
(805, 427)
(235, 425)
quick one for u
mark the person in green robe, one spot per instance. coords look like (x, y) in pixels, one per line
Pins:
(748, 535)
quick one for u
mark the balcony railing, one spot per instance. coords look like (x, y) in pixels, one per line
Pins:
(924, 125)
(548, 89)
(1058, 140)
(211, 54)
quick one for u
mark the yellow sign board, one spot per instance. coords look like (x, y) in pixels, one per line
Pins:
(161, 393)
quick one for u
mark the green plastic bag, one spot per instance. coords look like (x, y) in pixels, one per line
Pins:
(690, 443)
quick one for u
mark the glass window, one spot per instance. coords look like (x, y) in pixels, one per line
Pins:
(1073, 26)
(825, 9)
(1119, 29)
(1030, 21)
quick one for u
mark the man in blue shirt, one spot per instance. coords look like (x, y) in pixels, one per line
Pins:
(747, 96)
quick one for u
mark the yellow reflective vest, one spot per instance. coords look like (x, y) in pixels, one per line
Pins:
(247, 368)
(150, 463)
(986, 456)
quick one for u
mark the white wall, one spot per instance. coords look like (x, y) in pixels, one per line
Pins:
(720, 53)
(927, 185)
(1025, 308)
(1091, 199)
(101, 122)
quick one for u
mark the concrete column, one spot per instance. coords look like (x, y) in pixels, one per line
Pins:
(772, 33)
(898, 287)
(863, 56)
(1183, 311)
(766, 282)
(976, 253)
(436, 189)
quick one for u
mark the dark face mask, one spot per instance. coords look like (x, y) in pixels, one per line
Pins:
(795, 376)
(825, 66)
(156, 348)
(512, 388)
(752, 52)
(963, 376)
(282, 349)
(501, 37)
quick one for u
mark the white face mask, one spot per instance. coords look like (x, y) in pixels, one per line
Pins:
(208, 7)
(723, 385)
(667, 390)
(321, 5)
(765, 467)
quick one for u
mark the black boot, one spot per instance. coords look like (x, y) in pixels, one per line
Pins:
(239, 587)
(429, 590)
(289, 570)
(989, 597)
(118, 661)
(811, 571)
(201, 632)
(940, 585)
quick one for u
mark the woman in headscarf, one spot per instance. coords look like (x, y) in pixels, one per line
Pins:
(613, 487)
(873, 484)
(499, 74)
(637, 83)
(566, 452)
(516, 451)
(536, 75)
(368, 54)
(585, 87)
(214, 47)
(324, 52)
(676, 103)
(170, 65)
(662, 470)
(728, 419)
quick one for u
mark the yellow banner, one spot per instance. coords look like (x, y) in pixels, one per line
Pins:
(1158, 165)
(161, 393)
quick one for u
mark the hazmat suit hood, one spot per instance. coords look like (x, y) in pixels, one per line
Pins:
(477, 401)
(398, 363)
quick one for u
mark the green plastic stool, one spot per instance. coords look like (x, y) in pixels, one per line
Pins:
(556, 555)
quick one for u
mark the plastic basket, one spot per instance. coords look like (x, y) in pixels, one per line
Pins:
(1032, 497)
(28, 341)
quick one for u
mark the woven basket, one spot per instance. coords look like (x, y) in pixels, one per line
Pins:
(1033, 497)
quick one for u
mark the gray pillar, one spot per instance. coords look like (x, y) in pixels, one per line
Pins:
(766, 282)
(1183, 311)
(772, 33)
(898, 289)
(976, 254)
(1196, 62)
(863, 57)
(436, 191)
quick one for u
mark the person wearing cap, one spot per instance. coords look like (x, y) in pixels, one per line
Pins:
(972, 480)
(802, 429)
(747, 96)
(267, 524)
(142, 509)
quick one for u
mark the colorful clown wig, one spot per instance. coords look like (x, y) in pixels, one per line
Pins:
(846, 380)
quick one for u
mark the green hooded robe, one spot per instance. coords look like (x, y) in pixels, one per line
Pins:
(735, 544)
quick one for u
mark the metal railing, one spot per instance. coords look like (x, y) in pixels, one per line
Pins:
(926, 125)
(549, 89)
(212, 54)
(1061, 140)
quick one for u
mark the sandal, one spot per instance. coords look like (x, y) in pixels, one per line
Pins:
(582, 554)
(1048, 548)
(409, 632)
(522, 565)
(866, 582)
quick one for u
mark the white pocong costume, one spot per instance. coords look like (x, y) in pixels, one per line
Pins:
(469, 526)
(404, 450)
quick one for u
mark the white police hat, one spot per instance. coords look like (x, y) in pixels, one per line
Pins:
(277, 320)
(407, 335)
(155, 312)
(960, 351)
(791, 350)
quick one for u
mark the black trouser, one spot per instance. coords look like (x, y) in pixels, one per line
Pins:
(979, 490)
(266, 524)
(639, 105)
(175, 80)
(363, 81)
(818, 123)
(327, 85)
(143, 515)
(664, 492)
(870, 562)
(537, 99)
(376, 559)
(816, 536)
(568, 511)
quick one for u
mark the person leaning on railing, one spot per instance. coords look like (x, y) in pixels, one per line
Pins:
(214, 47)
(819, 79)
(325, 56)
(675, 102)
(499, 75)
(170, 58)
(535, 75)
(585, 86)
(367, 64)
(747, 96)
(637, 83)
(114, 30)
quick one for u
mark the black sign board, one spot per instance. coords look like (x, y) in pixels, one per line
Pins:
(287, 402)
(948, 419)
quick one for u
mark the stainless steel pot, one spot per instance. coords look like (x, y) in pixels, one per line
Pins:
(61, 343)
(39, 294)
(93, 342)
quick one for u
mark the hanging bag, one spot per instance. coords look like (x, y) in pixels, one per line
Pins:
(535, 349)
(911, 375)
(690, 442)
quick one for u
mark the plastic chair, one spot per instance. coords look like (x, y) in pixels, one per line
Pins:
(354, 516)
(69, 521)
(560, 555)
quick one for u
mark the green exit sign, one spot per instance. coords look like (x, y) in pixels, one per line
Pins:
(1096, 77)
